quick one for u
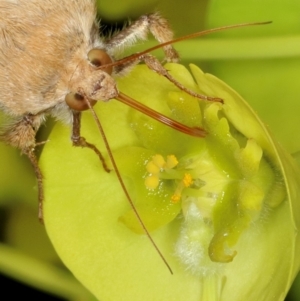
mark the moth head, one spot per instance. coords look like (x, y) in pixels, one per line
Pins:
(92, 81)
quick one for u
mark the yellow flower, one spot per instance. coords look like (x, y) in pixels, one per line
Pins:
(221, 209)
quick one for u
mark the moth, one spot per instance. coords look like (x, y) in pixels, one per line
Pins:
(54, 63)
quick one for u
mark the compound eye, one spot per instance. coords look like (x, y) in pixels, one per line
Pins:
(98, 58)
(76, 102)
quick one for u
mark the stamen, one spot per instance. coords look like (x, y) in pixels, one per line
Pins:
(159, 161)
(158, 167)
(171, 161)
(152, 168)
(187, 180)
(152, 182)
(175, 198)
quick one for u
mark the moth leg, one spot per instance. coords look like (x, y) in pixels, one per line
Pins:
(153, 23)
(78, 140)
(160, 29)
(154, 64)
(39, 176)
(21, 134)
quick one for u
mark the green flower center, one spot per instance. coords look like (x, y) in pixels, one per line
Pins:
(219, 186)
(159, 168)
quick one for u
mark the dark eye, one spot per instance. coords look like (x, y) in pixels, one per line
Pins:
(76, 102)
(98, 58)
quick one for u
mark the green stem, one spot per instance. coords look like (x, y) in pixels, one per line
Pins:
(230, 48)
(41, 275)
(249, 48)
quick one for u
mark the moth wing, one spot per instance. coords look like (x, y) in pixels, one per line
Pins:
(38, 40)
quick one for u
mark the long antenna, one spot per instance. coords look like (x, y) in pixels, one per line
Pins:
(101, 130)
(135, 56)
